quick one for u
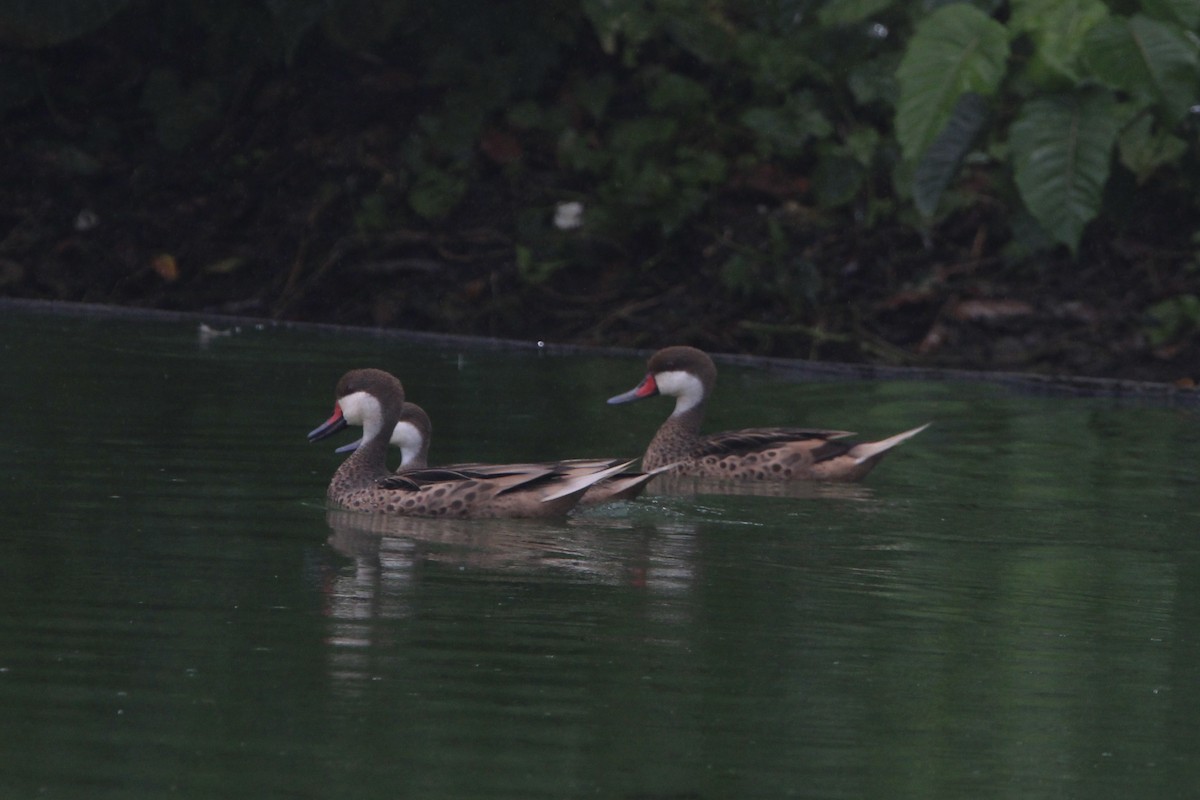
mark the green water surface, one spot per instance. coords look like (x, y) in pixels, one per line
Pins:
(1009, 606)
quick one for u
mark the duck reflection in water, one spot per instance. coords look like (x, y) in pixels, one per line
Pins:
(598, 549)
(698, 486)
(393, 558)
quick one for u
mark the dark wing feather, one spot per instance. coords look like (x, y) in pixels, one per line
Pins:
(481, 470)
(414, 479)
(504, 477)
(756, 440)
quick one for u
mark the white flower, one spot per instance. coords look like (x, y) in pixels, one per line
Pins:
(568, 216)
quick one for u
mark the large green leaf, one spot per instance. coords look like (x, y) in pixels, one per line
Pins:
(621, 25)
(956, 49)
(1184, 12)
(941, 160)
(1058, 28)
(1062, 150)
(1148, 58)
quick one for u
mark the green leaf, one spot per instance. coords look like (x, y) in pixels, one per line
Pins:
(786, 129)
(1062, 150)
(679, 206)
(1143, 149)
(941, 160)
(1184, 12)
(435, 193)
(862, 144)
(875, 80)
(533, 269)
(616, 22)
(775, 126)
(739, 273)
(1148, 58)
(699, 167)
(594, 93)
(1173, 318)
(577, 153)
(956, 49)
(674, 92)
(1058, 29)
(641, 184)
(700, 29)
(640, 134)
(837, 180)
(373, 214)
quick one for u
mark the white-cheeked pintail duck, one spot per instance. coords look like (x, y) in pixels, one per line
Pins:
(772, 454)
(414, 433)
(374, 399)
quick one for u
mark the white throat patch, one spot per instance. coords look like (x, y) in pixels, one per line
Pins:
(360, 408)
(408, 439)
(685, 387)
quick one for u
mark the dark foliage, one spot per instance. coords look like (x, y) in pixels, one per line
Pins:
(743, 177)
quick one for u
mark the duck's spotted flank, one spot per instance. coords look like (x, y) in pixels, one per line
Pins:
(764, 454)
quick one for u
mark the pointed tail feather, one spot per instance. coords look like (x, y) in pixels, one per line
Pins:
(618, 487)
(868, 450)
(582, 482)
(627, 487)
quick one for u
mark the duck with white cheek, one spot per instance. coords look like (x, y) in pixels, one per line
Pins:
(764, 454)
(374, 400)
(414, 432)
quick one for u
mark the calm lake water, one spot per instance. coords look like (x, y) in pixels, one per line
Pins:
(1008, 607)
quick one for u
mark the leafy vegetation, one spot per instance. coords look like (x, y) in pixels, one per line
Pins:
(783, 146)
(1086, 73)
